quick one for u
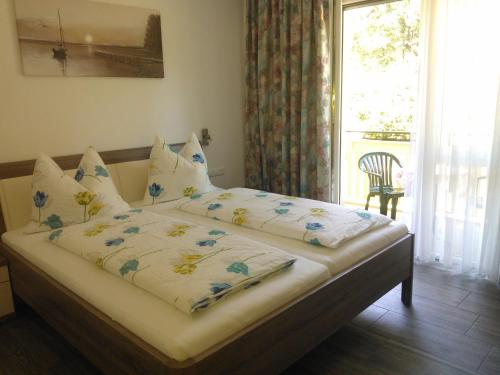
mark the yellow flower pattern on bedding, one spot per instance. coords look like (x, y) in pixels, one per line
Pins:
(189, 258)
(84, 198)
(219, 197)
(314, 212)
(95, 209)
(239, 216)
(178, 230)
(318, 211)
(224, 196)
(317, 223)
(190, 190)
(185, 268)
(96, 230)
(239, 220)
(241, 211)
(191, 261)
(191, 272)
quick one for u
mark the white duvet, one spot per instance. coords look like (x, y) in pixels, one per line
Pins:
(187, 265)
(315, 222)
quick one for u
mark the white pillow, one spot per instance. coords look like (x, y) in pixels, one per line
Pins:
(176, 175)
(93, 174)
(59, 200)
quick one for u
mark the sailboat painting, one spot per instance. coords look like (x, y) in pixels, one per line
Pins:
(89, 38)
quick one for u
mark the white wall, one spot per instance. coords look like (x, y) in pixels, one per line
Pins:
(203, 52)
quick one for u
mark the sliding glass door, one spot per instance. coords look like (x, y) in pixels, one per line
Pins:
(378, 80)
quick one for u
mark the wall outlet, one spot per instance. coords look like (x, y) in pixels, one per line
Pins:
(214, 172)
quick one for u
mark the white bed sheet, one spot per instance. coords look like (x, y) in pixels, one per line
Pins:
(178, 335)
(337, 260)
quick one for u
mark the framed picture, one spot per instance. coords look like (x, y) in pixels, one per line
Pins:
(89, 38)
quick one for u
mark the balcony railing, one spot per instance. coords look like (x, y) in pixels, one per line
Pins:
(389, 136)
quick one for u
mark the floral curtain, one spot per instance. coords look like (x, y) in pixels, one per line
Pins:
(288, 97)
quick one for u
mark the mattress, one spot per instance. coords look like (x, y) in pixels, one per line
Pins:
(178, 335)
(337, 260)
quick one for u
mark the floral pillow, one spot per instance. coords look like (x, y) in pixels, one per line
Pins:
(176, 175)
(59, 200)
(93, 174)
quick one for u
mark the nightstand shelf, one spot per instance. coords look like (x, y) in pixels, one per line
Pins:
(6, 302)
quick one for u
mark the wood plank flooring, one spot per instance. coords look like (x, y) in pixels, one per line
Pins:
(453, 327)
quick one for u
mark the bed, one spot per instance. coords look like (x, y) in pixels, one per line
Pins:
(291, 313)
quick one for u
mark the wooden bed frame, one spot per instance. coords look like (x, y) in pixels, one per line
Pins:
(269, 345)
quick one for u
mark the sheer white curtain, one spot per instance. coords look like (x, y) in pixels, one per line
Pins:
(456, 168)
(490, 255)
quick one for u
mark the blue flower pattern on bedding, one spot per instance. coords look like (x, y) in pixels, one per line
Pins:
(55, 234)
(238, 267)
(80, 173)
(217, 232)
(115, 242)
(101, 171)
(198, 158)
(53, 221)
(155, 190)
(364, 215)
(214, 206)
(314, 226)
(219, 287)
(315, 241)
(209, 243)
(202, 304)
(279, 211)
(40, 198)
(128, 266)
(132, 230)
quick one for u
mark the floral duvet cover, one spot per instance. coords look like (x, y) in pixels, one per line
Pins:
(315, 222)
(187, 265)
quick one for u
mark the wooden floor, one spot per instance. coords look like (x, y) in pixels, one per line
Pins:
(452, 328)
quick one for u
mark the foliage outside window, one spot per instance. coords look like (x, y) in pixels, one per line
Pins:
(384, 45)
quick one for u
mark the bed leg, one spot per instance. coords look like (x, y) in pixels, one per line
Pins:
(407, 291)
(407, 284)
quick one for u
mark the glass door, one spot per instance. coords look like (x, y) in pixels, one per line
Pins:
(379, 77)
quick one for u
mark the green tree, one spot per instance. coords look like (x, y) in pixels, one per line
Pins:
(391, 34)
(388, 43)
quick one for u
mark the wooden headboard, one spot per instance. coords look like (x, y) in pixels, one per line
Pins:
(25, 167)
